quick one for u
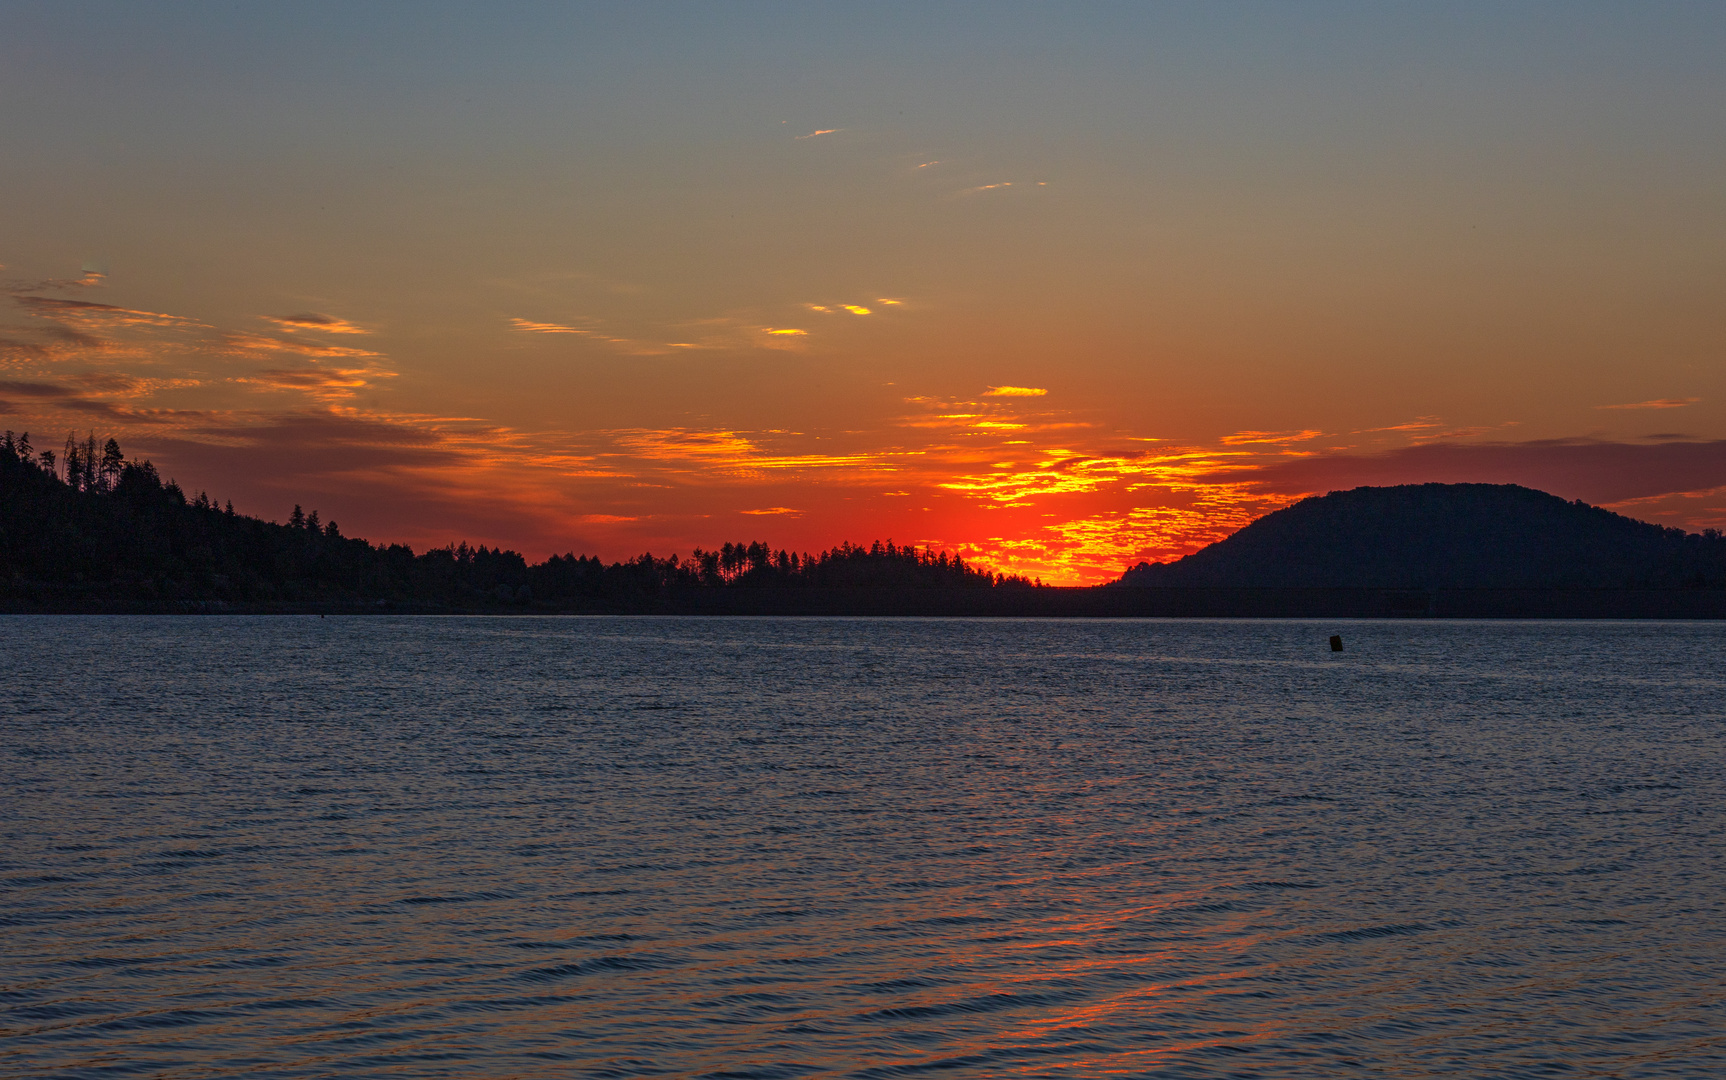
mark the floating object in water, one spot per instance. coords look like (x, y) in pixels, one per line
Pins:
(1336, 643)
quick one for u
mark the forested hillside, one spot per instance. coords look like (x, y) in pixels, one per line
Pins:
(87, 529)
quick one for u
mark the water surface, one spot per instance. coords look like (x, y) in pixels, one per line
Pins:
(574, 847)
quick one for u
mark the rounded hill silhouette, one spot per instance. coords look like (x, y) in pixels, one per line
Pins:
(1457, 536)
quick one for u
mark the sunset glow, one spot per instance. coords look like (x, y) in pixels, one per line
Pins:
(1059, 302)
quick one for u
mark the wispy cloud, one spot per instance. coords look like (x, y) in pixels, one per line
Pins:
(1657, 403)
(1065, 471)
(1596, 470)
(253, 344)
(312, 320)
(13, 351)
(1269, 438)
(735, 331)
(1014, 391)
(60, 403)
(823, 131)
(527, 326)
(1422, 423)
(322, 384)
(733, 453)
(629, 346)
(60, 331)
(853, 308)
(89, 279)
(98, 338)
(87, 312)
(113, 384)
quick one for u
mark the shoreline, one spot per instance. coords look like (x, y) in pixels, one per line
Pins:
(1047, 602)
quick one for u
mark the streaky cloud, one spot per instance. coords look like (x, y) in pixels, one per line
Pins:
(1657, 403)
(1269, 438)
(312, 320)
(88, 280)
(255, 343)
(1595, 470)
(89, 311)
(527, 326)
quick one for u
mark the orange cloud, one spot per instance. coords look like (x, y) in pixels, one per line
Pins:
(74, 330)
(61, 404)
(529, 327)
(1420, 424)
(311, 320)
(1658, 403)
(1014, 391)
(324, 384)
(243, 344)
(1097, 546)
(1270, 438)
(89, 313)
(732, 453)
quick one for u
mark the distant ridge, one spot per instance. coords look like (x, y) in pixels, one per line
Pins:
(1447, 536)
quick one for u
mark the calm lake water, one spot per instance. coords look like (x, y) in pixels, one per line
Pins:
(427, 847)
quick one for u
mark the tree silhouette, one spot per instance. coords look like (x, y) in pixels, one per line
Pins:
(112, 462)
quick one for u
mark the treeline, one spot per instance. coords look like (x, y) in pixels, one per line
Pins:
(88, 529)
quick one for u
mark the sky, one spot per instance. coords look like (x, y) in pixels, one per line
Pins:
(1060, 288)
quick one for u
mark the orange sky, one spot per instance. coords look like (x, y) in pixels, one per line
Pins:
(1060, 293)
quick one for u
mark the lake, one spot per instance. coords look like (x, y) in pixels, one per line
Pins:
(638, 847)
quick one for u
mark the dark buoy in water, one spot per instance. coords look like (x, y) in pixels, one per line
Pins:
(1336, 643)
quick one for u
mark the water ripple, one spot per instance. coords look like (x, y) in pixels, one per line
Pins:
(860, 848)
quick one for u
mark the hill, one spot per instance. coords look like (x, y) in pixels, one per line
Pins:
(1447, 536)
